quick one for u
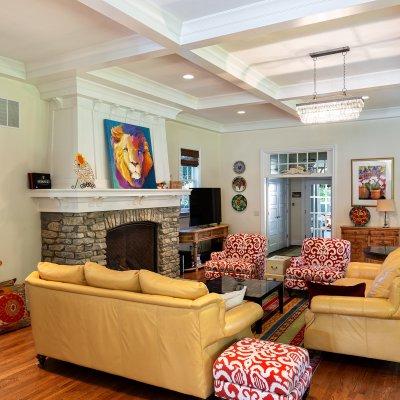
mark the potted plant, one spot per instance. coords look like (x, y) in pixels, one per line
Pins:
(363, 192)
(375, 190)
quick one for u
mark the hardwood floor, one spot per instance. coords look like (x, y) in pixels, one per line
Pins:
(337, 378)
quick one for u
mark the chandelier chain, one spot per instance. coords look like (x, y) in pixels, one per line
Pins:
(315, 78)
(344, 91)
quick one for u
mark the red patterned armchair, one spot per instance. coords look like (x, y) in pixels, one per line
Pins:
(243, 258)
(321, 260)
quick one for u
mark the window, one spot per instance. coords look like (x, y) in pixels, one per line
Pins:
(310, 163)
(189, 174)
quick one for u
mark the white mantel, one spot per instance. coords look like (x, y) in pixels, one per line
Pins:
(90, 200)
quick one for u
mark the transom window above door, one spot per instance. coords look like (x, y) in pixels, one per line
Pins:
(302, 163)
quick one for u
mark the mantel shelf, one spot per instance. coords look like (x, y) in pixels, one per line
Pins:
(89, 200)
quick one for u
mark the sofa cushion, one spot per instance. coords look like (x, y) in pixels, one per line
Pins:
(383, 282)
(99, 276)
(61, 273)
(320, 289)
(392, 259)
(152, 283)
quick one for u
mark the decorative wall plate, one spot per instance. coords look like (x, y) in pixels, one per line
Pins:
(360, 215)
(239, 167)
(239, 184)
(239, 202)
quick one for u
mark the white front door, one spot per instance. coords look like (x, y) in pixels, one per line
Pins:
(277, 223)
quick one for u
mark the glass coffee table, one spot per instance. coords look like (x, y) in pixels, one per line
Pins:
(257, 291)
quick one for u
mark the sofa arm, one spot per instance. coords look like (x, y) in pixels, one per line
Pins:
(353, 306)
(242, 316)
(363, 270)
(296, 261)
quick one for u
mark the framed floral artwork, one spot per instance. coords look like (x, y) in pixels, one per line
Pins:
(371, 180)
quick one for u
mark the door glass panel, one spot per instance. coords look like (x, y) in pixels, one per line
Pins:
(320, 210)
(293, 158)
(283, 158)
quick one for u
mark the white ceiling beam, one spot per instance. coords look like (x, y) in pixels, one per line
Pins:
(141, 16)
(226, 100)
(12, 68)
(218, 61)
(354, 83)
(131, 48)
(270, 15)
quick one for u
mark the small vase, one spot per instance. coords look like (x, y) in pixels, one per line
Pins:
(375, 194)
(363, 192)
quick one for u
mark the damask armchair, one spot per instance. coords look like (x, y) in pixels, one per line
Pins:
(321, 260)
(243, 258)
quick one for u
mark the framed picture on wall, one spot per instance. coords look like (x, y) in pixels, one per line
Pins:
(371, 180)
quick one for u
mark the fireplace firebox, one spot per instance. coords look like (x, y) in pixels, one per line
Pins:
(132, 246)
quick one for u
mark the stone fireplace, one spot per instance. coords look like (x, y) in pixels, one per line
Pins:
(121, 239)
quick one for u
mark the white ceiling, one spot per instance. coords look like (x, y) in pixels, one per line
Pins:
(247, 55)
(192, 9)
(168, 70)
(32, 30)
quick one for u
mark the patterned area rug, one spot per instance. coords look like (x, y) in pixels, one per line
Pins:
(287, 327)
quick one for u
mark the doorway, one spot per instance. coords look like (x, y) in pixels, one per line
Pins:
(298, 208)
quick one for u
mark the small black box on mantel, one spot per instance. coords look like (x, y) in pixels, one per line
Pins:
(38, 180)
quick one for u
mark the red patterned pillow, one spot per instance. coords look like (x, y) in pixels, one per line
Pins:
(319, 289)
(13, 312)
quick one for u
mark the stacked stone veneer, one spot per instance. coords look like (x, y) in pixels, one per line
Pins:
(74, 238)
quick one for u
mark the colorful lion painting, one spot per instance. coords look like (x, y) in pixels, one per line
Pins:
(130, 155)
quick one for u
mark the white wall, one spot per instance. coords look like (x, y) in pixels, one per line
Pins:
(207, 142)
(22, 150)
(375, 138)
(296, 211)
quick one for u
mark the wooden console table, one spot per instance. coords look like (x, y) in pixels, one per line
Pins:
(362, 237)
(196, 234)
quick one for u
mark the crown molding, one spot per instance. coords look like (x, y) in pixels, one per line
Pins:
(134, 47)
(270, 15)
(12, 68)
(93, 90)
(137, 83)
(199, 122)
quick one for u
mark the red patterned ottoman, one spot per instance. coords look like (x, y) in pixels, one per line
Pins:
(254, 369)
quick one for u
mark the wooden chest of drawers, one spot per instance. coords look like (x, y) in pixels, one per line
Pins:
(362, 237)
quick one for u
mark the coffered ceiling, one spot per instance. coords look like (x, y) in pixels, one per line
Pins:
(244, 55)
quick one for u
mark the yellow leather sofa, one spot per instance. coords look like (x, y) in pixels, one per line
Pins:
(156, 339)
(367, 327)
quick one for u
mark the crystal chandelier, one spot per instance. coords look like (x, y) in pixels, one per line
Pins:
(332, 110)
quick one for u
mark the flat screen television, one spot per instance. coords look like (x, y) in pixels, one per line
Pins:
(205, 206)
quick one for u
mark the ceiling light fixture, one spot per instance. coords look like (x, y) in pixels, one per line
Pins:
(241, 112)
(188, 76)
(331, 110)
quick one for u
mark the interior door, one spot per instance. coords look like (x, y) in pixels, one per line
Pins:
(318, 212)
(277, 224)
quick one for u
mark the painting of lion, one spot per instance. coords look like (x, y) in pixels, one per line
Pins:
(130, 155)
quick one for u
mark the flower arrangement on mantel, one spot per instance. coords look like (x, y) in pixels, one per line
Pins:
(84, 173)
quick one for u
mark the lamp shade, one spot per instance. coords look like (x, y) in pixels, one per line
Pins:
(386, 205)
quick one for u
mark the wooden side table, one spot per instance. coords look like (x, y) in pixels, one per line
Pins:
(197, 234)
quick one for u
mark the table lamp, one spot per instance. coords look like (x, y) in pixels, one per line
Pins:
(386, 206)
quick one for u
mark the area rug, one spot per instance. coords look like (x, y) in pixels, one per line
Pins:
(288, 327)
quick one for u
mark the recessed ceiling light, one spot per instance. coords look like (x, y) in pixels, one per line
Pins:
(365, 97)
(241, 112)
(188, 76)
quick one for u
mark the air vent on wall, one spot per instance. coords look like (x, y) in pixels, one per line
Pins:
(9, 113)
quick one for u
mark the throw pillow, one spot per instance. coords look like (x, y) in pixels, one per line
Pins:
(152, 283)
(13, 312)
(61, 273)
(383, 281)
(99, 276)
(319, 289)
(233, 299)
